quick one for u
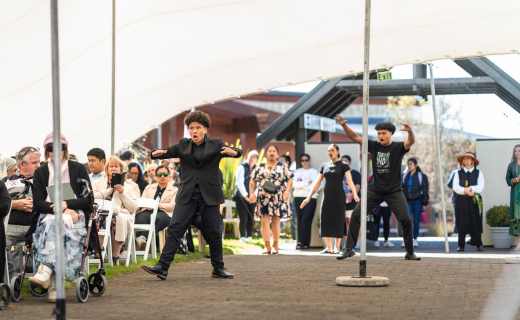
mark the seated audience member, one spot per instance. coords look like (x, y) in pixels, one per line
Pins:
(96, 164)
(136, 175)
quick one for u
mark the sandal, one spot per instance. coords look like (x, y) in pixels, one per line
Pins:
(266, 252)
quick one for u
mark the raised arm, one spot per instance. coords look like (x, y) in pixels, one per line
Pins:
(230, 152)
(348, 131)
(410, 137)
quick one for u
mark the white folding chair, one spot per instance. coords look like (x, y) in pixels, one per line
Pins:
(151, 246)
(5, 276)
(106, 233)
(227, 208)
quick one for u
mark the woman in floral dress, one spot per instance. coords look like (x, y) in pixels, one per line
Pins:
(274, 181)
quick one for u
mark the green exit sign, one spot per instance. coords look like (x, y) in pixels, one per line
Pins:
(384, 75)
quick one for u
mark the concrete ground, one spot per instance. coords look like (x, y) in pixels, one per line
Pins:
(295, 286)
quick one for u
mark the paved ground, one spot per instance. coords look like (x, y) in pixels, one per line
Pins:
(303, 287)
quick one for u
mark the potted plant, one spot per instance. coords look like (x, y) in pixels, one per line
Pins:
(498, 219)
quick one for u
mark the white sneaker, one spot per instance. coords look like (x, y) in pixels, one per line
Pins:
(140, 243)
(377, 244)
(324, 251)
(388, 244)
(42, 277)
(415, 243)
(243, 239)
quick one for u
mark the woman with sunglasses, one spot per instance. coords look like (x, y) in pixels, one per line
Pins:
(165, 191)
(304, 177)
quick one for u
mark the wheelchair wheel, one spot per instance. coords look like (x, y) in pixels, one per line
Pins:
(5, 296)
(97, 284)
(37, 291)
(16, 288)
(81, 289)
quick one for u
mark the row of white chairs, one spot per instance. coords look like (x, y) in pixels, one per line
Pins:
(132, 252)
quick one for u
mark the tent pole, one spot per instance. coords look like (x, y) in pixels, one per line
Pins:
(439, 161)
(113, 103)
(56, 119)
(364, 144)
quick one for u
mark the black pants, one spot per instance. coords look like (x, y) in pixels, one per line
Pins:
(2, 251)
(304, 219)
(396, 203)
(385, 213)
(476, 239)
(206, 218)
(246, 213)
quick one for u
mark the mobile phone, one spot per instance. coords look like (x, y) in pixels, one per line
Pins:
(117, 178)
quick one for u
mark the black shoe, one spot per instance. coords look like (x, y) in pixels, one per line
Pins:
(412, 257)
(305, 247)
(460, 249)
(156, 270)
(222, 274)
(299, 246)
(346, 254)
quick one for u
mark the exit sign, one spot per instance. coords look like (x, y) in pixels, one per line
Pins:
(384, 75)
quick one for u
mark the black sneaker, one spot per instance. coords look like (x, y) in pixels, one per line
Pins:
(412, 257)
(346, 254)
(156, 270)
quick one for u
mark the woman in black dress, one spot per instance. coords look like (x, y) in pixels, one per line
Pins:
(333, 208)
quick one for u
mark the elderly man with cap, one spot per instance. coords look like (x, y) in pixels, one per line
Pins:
(468, 184)
(77, 205)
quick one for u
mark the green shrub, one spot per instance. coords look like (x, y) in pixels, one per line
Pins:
(498, 216)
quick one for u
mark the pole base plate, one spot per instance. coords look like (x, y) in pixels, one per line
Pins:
(370, 281)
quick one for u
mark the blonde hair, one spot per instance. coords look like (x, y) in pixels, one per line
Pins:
(120, 162)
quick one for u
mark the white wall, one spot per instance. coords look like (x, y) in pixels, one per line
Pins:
(494, 156)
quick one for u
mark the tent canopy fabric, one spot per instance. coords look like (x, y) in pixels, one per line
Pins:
(172, 55)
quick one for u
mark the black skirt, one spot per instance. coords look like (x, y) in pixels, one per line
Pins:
(468, 218)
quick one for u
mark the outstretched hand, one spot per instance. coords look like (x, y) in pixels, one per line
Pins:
(158, 153)
(406, 127)
(340, 120)
(228, 151)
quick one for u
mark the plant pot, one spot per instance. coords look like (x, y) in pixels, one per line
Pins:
(501, 237)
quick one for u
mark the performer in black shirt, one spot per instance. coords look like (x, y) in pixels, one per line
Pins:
(386, 183)
(199, 195)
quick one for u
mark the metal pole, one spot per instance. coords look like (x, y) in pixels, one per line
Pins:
(56, 119)
(439, 161)
(113, 111)
(364, 145)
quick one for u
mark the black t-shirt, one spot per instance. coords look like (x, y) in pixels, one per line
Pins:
(386, 166)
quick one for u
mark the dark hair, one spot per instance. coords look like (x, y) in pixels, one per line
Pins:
(98, 153)
(305, 155)
(385, 126)
(513, 157)
(126, 155)
(162, 166)
(414, 161)
(197, 116)
(48, 149)
(273, 146)
(140, 177)
(347, 157)
(335, 146)
(288, 159)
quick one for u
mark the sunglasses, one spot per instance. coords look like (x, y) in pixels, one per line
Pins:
(304, 160)
(49, 147)
(163, 175)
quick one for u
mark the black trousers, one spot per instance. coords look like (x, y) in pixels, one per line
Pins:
(2, 251)
(385, 213)
(246, 213)
(304, 219)
(206, 218)
(396, 203)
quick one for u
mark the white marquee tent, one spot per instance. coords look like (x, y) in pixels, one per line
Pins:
(173, 55)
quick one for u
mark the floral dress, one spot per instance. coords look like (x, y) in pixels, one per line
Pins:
(267, 203)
